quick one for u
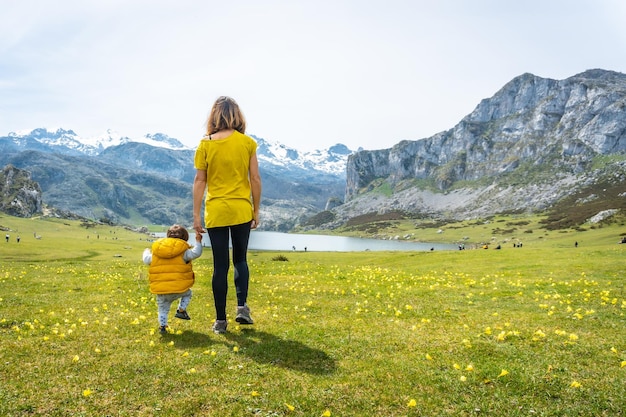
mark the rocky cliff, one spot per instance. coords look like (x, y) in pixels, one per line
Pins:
(19, 195)
(531, 144)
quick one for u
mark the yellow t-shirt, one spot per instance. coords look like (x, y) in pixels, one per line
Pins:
(227, 162)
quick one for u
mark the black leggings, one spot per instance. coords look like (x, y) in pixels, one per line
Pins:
(239, 235)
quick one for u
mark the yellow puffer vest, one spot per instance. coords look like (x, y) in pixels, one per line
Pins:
(168, 272)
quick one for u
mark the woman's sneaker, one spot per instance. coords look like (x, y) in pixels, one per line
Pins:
(243, 315)
(219, 327)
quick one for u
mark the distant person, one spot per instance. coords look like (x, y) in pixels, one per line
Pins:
(170, 274)
(7, 237)
(576, 244)
(18, 238)
(227, 170)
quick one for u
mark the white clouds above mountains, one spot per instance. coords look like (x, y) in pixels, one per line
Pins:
(307, 74)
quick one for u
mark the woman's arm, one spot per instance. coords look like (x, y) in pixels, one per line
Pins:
(255, 185)
(199, 187)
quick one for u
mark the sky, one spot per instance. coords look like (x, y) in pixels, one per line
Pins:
(307, 74)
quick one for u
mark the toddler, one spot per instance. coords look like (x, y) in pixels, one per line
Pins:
(170, 273)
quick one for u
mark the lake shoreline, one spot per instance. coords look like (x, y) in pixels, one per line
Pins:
(294, 242)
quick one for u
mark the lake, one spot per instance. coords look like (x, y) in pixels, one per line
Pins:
(320, 243)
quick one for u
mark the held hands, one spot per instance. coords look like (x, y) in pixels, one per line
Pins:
(197, 226)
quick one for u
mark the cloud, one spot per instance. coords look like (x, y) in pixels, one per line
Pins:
(307, 74)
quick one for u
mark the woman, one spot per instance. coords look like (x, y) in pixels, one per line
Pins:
(227, 169)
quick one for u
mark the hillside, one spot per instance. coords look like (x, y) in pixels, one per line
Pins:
(149, 181)
(19, 194)
(536, 145)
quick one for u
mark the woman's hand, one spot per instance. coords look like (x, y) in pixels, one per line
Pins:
(197, 226)
(255, 222)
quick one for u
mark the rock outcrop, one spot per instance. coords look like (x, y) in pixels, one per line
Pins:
(525, 148)
(20, 196)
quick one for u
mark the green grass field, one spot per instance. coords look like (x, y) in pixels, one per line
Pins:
(532, 331)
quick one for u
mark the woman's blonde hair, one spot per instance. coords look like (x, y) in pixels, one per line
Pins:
(179, 232)
(225, 114)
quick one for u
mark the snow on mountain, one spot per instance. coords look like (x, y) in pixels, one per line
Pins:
(61, 138)
(160, 140)
(55, 139)
(105, 140)
(332, 160)
(113, 138)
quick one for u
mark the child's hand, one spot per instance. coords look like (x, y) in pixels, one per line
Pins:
(198, 237)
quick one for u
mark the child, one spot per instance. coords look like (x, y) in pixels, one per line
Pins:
(171, 275)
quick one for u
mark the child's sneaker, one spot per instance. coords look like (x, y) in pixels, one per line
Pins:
(163, 329)
(219, 327)
(182, 314)
(243, 315)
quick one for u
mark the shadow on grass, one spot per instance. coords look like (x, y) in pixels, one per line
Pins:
(264, 348)
(267, 348)
(189, 339)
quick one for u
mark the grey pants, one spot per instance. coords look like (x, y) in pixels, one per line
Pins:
(164, 302)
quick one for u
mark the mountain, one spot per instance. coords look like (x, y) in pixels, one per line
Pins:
(19, 195)
(533, 144)
(67, 142)
(331, 160)
(148, 180)
(537, 144)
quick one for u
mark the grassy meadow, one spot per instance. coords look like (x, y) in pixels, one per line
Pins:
(532, 331)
